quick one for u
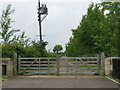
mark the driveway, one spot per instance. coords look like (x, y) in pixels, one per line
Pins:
(59, 82)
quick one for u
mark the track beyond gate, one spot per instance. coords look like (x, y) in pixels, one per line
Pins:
(59, 65)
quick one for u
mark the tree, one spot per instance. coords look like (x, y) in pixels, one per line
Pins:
(113, 23)
(85, 40)
(92, 36)
(7, 32)
(57, 49)
(99, 31)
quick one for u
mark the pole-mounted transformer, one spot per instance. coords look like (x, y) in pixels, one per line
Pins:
(43, 9)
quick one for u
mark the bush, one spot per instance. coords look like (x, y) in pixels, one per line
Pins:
(9, 49)
(30, 51)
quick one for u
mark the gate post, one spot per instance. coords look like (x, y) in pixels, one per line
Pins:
(15, 63)
(98, 64)
(102, 64)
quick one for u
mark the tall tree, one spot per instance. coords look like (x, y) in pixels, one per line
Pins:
(113, 23)
(6, 31)
(91, 36)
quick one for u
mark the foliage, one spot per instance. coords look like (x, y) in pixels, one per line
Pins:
(57, 49)
(95, 34)
(22, 39)
(50, 54)
(40, 46)
(29, 51)
(113, 23)
(5, 24)
(9, 49)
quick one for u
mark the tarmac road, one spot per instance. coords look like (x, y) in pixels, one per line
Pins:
(59, 82)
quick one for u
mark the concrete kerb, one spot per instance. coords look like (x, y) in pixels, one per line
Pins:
(114, 81)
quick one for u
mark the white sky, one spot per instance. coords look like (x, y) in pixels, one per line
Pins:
(64, 15)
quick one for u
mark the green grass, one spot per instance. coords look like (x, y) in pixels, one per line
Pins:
(37, 69)
(52, 63)
(78, 63)
(6, 77)
(88, 66)
(118, 80)
(71, 60)
(51, 66)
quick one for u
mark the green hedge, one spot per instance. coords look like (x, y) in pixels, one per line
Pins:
(30, 51)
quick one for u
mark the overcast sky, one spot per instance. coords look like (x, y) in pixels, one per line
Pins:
(63, 16)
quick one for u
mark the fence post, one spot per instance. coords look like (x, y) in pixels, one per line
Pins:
(102, 63)
(15, 63)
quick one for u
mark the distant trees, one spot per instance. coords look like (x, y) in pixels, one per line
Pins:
(57, 49)
(98, 31)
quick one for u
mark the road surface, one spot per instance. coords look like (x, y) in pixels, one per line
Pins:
(59, 82)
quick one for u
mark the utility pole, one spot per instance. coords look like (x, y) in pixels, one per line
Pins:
(39, 19)
(42, 10)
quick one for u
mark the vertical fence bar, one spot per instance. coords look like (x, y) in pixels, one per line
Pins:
(48, 67)
(39, 66)
(19, 64)
(79, 70)
(76, 66)
(67, 66)
(57, 66)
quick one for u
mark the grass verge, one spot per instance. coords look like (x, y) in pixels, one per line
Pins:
(6, 77)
